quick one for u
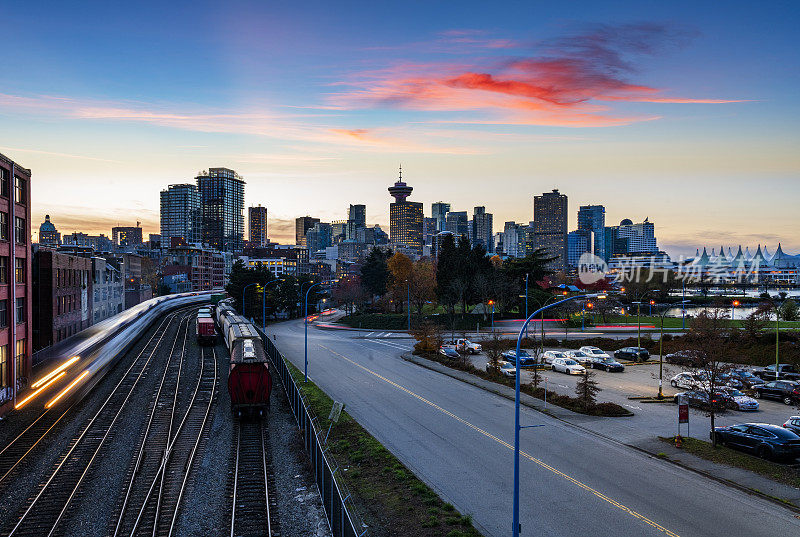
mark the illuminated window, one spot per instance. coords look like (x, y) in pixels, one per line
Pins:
(3, 369)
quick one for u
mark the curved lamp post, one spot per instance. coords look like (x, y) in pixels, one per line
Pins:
(305, 319)
(243, 290)
(661, 348)
(264, 302)
(516, 401)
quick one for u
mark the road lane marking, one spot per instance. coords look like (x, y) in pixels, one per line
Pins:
(389, 344)
(531, 458)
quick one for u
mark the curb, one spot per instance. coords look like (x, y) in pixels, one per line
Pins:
(790, 506)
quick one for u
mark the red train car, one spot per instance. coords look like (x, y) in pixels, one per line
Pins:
(206, 331)
(249, 378)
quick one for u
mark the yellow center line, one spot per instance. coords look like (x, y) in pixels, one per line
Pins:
(511, 447)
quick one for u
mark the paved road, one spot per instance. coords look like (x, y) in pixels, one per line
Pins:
(458, 438)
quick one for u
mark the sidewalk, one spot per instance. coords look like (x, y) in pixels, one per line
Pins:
(744, 480)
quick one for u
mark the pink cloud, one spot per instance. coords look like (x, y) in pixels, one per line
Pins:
(564, 86)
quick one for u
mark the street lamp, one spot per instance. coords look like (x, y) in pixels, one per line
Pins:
(661, 351)
(491, 303)
(264, 302)
(408, 291)
(517, 427)
(243, 290)
(733, 309)
(651, 308)
(638, 303)
(305, 319)
(526, 302)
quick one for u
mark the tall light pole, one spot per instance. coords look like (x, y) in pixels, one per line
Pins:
(264, 302)
(661, 351)
(305, 319)
(733, 309)
(526, 302)
(683, 308)
(517, 428)
(243, 290)
(491, 303)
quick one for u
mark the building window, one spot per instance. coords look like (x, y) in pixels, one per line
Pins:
(20, 269)
(20, 310)
(19, 230)
(3, 363)
(3, 182)
(3, 226)
(3, 313)
(3, 269)
(20, 358)
(20, 192)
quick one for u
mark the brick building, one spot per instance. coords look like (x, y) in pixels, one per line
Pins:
(204, 267)
(62, 297)
(16, 326)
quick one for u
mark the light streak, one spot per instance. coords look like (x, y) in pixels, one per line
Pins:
(55, 372)
(42, 388)
(67, 389)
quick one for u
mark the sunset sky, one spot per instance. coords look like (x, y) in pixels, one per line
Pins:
(683, 112)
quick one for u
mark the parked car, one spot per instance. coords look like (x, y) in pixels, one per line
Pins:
(607, 364)
(549, 356)
(595, 352)
(525, 359)
(568, 366)
(782, 390)
(465, 346)
(633, 354)
(579, 356)
(506, 369)
(746, 378)
(700, 399)
(449, 352)
(683, 358)
(784, 372)
(765, 440)
(688, 381)
(737, 400)
(793, 424)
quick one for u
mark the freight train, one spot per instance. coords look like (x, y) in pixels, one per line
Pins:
(249, 377)
(205, 330)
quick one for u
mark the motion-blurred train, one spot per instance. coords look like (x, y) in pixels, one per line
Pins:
(249, 378)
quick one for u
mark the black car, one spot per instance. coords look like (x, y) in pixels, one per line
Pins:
(607, 364)
(746, 377)
(782, 390)
(633, 354)
(793, 424)
(765, 440)
(700, 400)
(684, 358)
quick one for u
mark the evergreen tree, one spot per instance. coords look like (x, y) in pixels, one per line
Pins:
(375, 272)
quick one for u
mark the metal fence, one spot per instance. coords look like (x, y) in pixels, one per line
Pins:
(336, 499)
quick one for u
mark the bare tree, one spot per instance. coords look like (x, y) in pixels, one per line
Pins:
(706, 340)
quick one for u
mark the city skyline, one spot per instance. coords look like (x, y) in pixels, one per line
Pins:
(666, 112)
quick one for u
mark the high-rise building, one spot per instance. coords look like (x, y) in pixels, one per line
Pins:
(222, 208)
(428, 230)
(16, 330)
(482, 229)
(257, 224)
(319, 237)
(126, 235)
(636, 238)
(49, 237)
(405, 218)
(579, 242)
(514, 238)
(301, 227)
(457, 223)
(439, 213)
(180, 215)
(550, 226)
(356, 219)
(593, 218)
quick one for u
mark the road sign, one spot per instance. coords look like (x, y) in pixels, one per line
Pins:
(336, 411)
(683, 413)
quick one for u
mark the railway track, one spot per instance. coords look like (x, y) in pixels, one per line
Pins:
(251, 500)
(47, 509)
(168, 446)
(14, 454)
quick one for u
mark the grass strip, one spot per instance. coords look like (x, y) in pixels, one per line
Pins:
(781, 473)
(390, 498)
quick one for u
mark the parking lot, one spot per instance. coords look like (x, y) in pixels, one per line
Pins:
(639, 381)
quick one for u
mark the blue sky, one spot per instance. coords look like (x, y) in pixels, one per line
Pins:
(682, 112)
